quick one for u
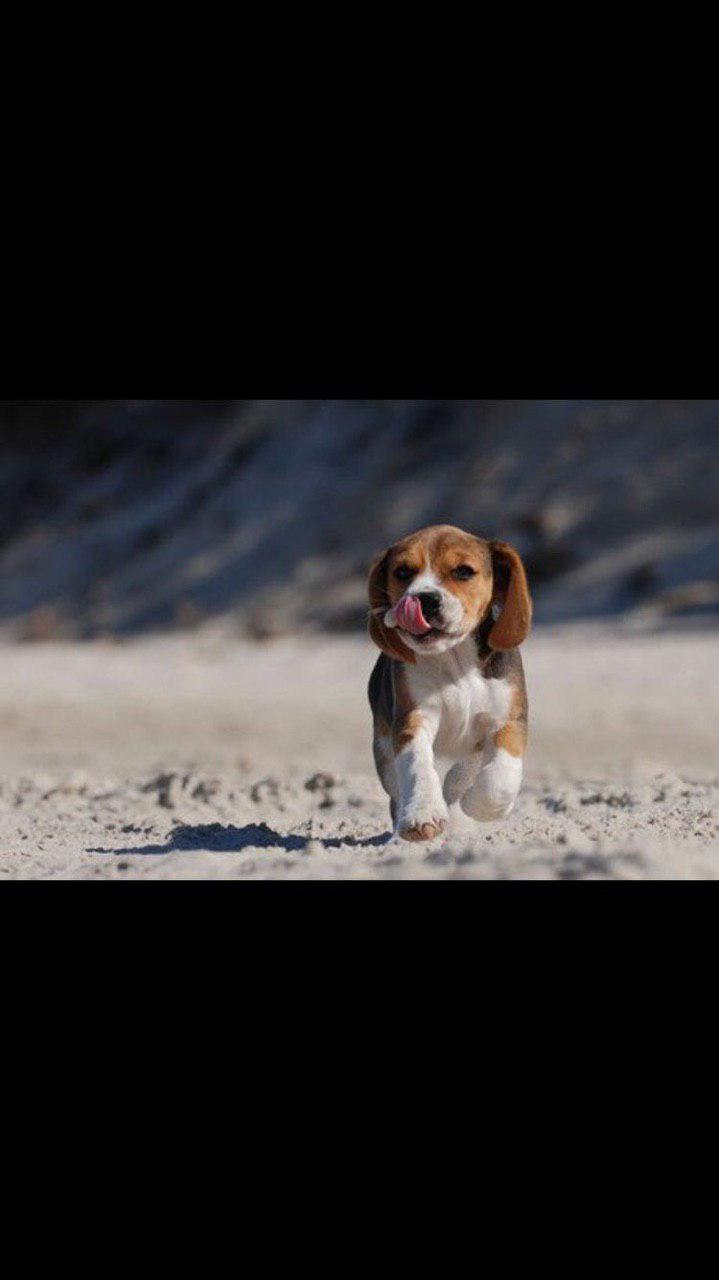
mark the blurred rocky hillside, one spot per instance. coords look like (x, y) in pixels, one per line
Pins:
(121, 516)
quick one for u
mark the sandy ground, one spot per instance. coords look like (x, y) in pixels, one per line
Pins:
(197, 756)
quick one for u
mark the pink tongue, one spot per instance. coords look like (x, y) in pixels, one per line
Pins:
(409, 616)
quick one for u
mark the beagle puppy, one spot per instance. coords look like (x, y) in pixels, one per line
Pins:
(448, 698)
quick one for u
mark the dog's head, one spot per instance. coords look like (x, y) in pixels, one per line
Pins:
(432, 589)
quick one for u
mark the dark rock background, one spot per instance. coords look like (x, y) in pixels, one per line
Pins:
(123, 516)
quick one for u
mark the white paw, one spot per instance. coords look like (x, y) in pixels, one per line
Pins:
(418, 822)
(486, 806)
(486, 810)
(496, 789)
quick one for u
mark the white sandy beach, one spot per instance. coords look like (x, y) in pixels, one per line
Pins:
(201, 756)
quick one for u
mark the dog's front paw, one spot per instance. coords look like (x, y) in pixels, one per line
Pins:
(422, 824)
(493, 795)
(488, 805)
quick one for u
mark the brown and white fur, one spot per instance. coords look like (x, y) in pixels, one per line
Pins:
(449, 707)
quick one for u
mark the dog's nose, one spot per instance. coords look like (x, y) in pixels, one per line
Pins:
(431, 602)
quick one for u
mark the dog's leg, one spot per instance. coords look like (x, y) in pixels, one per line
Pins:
(422, 809)
(387, 773)
(496, 786)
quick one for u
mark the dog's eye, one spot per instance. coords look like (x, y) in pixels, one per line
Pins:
(403, 573)
(463, 572)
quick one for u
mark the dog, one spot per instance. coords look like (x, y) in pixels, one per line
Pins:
(448, 697)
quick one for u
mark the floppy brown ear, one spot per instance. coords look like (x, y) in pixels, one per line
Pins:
(384, 637)
(511, 594)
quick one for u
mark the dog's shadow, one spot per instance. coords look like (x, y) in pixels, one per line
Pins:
(213, 837)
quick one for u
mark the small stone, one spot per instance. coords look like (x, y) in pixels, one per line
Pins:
(206, 790)
(320, 782)
(166, 785)
(268, 788)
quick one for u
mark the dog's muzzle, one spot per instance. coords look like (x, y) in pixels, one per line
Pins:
(418, 614)
(410, 617)
(431, 602)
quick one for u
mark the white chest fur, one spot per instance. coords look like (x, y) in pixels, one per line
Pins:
(460, 705)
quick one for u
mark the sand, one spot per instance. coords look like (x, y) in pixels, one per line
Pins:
(203, 756)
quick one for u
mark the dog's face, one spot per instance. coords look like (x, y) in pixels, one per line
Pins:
(432, 589)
